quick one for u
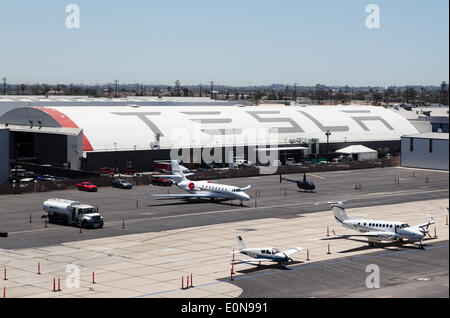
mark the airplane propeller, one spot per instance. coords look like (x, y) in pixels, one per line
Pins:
(289, 259)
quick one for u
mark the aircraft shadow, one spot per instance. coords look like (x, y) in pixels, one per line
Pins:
(204, 201)
(258, 268)
(385, 246)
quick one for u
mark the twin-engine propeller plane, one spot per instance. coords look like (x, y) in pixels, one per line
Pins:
(265, 254)
(202, 189)
(301, 184)
(377, 231)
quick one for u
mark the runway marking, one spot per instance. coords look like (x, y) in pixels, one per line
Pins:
(301, 267)
(364, 196)
(422, 169)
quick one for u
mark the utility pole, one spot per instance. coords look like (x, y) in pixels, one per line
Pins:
(4, 85)
(286, 97)
(116, 83)
(295, 93)
(212, 89)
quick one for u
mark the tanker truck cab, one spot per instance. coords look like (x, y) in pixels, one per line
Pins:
(88, 215)
(72, 213)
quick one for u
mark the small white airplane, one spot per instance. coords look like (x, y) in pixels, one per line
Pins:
(265, 254)
(377, 231)
(202, 189)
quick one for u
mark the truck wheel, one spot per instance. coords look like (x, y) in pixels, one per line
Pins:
(84, 224)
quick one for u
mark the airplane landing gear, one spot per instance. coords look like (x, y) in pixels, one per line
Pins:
(372, 244)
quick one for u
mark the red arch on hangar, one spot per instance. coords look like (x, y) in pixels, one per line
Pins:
(65, 122)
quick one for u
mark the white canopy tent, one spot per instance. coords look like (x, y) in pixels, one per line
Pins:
(359, 152)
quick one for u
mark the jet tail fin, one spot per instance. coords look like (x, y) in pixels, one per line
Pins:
(176, 170)
(241, 244)
(339, 211)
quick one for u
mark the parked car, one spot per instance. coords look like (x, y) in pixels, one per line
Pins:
(129, 170)
(122, 184)
(161, 181)
(46, 177)
(106, 170)
(87, 186)
(290, 161)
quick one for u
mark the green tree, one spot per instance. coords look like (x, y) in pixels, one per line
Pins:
(23, 87)
(443, 94)
(410, 95)
(376, 97)
(178, 88)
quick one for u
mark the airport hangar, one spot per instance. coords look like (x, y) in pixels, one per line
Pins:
(90, 137)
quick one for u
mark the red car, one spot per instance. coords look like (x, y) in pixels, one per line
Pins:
(165, 182)
(106, 170)
(87, 186)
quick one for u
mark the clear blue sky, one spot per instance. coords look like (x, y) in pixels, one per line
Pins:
(233, 42)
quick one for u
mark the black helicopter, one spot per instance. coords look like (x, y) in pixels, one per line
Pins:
(304, 185)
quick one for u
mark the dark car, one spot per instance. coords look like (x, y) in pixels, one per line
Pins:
(122, 184)
(129, 170)
(87, 186)
(161, 181)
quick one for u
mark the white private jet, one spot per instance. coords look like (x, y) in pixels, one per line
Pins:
(202, 189)
(265, 254)
(377, 231)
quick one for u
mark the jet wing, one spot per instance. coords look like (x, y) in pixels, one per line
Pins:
(252, 260)
(292, 250)
(377, 234)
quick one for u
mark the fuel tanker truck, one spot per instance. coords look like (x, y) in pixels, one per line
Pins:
(73, 213)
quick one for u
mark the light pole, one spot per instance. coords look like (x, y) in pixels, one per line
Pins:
(328, 133)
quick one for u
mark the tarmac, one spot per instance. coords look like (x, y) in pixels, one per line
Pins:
(142, 213)
(153, 264)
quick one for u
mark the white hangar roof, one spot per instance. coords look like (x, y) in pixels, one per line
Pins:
(138, 127)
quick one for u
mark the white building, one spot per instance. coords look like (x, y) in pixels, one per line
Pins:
(429, 151)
